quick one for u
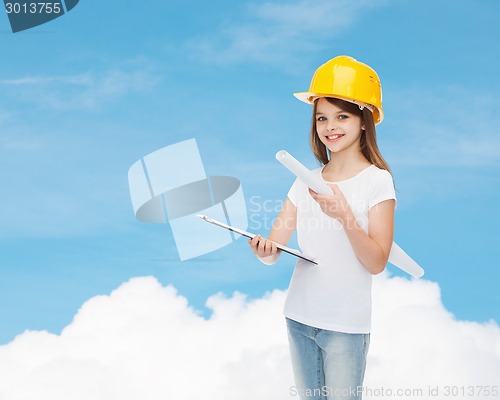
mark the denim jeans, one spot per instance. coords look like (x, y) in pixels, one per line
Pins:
(327, 364)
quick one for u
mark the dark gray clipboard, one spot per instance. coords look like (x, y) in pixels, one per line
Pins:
(288, 250)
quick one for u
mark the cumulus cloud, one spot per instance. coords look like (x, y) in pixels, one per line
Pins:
(417, 343)
(144, 341)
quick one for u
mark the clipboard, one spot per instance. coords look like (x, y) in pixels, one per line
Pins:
(288, 250)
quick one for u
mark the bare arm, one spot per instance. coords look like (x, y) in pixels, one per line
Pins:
(372, 249)
(282, 231)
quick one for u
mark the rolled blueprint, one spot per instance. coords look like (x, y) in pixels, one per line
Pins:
(397, 256)
(305, 175)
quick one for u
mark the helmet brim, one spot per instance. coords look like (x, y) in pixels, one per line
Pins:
(306, 97)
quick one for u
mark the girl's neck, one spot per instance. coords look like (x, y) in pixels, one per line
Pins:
(342, 166)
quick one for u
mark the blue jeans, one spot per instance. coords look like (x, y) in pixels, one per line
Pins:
(326, 364)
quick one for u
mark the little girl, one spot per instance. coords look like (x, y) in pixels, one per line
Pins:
(350, 233)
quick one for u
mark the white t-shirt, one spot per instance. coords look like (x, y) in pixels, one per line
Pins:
(336, 294)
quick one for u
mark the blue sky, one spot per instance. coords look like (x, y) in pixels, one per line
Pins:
(86, 95)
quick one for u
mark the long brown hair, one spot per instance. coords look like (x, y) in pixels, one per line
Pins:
(368, 140)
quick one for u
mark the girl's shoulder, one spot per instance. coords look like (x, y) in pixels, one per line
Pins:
(379, 171)
(378, 175)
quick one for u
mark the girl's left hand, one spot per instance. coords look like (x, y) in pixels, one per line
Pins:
(334, 205)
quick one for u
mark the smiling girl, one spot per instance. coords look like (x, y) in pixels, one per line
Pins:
(350, 233)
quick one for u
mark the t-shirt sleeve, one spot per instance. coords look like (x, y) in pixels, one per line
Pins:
(292, 193)
(381, 188)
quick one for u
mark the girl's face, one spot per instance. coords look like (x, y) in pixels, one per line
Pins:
(338, 130)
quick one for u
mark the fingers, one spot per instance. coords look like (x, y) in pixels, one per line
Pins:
(334, 187)
(262, 247)
(315, 195)
(334, 205)
(319, 198)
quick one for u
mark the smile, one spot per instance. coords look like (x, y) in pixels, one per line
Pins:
(333, 138)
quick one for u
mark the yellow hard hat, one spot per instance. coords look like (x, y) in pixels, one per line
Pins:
(348, 79)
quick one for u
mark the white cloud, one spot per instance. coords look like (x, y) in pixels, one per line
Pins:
(276, 32)
(417, 343)
(58, 166)
(445, 126)
(86, 90)
(144, 341)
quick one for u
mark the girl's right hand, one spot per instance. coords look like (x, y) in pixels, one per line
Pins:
(262, 247)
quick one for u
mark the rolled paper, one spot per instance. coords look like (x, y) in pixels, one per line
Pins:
(403, 261)
(305, 175)
(397, 256)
